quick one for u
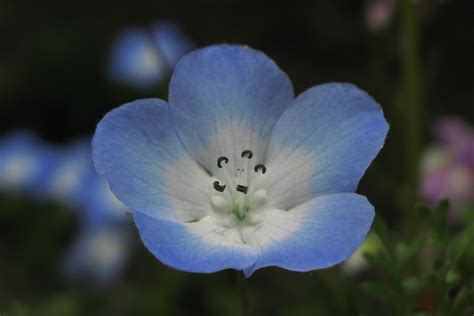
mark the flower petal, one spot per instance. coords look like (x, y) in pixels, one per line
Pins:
(71, 166)
(192, 247)
(329, 230)
(225, 99)
(25, 162)
(171, 42)
(323, 143)
(99, 254)
(137, 150)
(135, 60)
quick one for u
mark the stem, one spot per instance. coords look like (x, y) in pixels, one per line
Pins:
(242, 284)
(411, 107)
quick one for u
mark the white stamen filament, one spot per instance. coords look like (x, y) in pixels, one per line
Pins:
(243, 196)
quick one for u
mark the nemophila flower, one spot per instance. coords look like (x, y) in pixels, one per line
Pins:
(71, 166)
(103, 246)
(234, 172)
(171, 42)
(447, 166)
(142, 58)
(98, 205)
(99, 255)
(23, 162)
(100, 252)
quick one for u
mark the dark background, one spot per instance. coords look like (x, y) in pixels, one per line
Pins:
(52, 80)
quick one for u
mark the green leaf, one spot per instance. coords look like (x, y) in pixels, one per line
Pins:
(380, 292)
(382, 231)
(379, 259)
(441, 214)
(406, 253)
(461, 243)
(452, 278)
(413, 284)
(425, 211)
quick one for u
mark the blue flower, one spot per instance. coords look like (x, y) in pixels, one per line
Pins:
(171, 43)
(234, 172)
(65, 178)
(143, 58)
(23, 162)
(98, 205)
(99, 255)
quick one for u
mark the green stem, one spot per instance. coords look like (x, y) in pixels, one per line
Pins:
(411, 109)
(242, 284)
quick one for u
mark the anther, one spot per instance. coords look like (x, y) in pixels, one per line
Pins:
(260, 167)
(242, 188)
(219, 187)
(222, 159)
(247, 153)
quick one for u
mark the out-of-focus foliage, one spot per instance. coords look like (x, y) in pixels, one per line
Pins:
(430, 274)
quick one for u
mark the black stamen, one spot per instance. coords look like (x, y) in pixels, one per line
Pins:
(247, 153)
(242, 188)
(260, 167)
(219, 187)
(222, 159)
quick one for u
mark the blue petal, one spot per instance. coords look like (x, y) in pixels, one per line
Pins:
(135, 147)
(226, 98)
(24, 162)
(184, 246)
(171, 42)
(99, 254)
(331, 227)
(98, 205)
(70, 168)
(135, 60)
(323, 143)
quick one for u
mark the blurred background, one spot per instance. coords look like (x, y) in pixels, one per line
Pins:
(66, 245)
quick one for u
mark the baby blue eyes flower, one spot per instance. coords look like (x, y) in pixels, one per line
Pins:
(70, 165)
(143, 58)
(67, 175)
(22, 162)
(234, 172)
(99, 254)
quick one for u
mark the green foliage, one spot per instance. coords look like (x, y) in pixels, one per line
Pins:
(431, 273)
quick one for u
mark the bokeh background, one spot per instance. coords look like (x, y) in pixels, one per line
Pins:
(58, 77)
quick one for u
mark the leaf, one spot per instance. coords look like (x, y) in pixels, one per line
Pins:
(452, 277)
(382, 232)
(459, 246)
(425, 211)
(406, 253)
(441, 214)
(378, 259)
(380, 292)
(413, 284)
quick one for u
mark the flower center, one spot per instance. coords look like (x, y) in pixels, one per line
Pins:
(238, 195)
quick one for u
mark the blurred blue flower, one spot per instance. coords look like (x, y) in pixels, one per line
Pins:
(101, 250)
(143, 58)
(99, 255)
(71, 165)
(67, 175)
(236, 173)
(171, 43)
(23, 162)
(98, 205)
